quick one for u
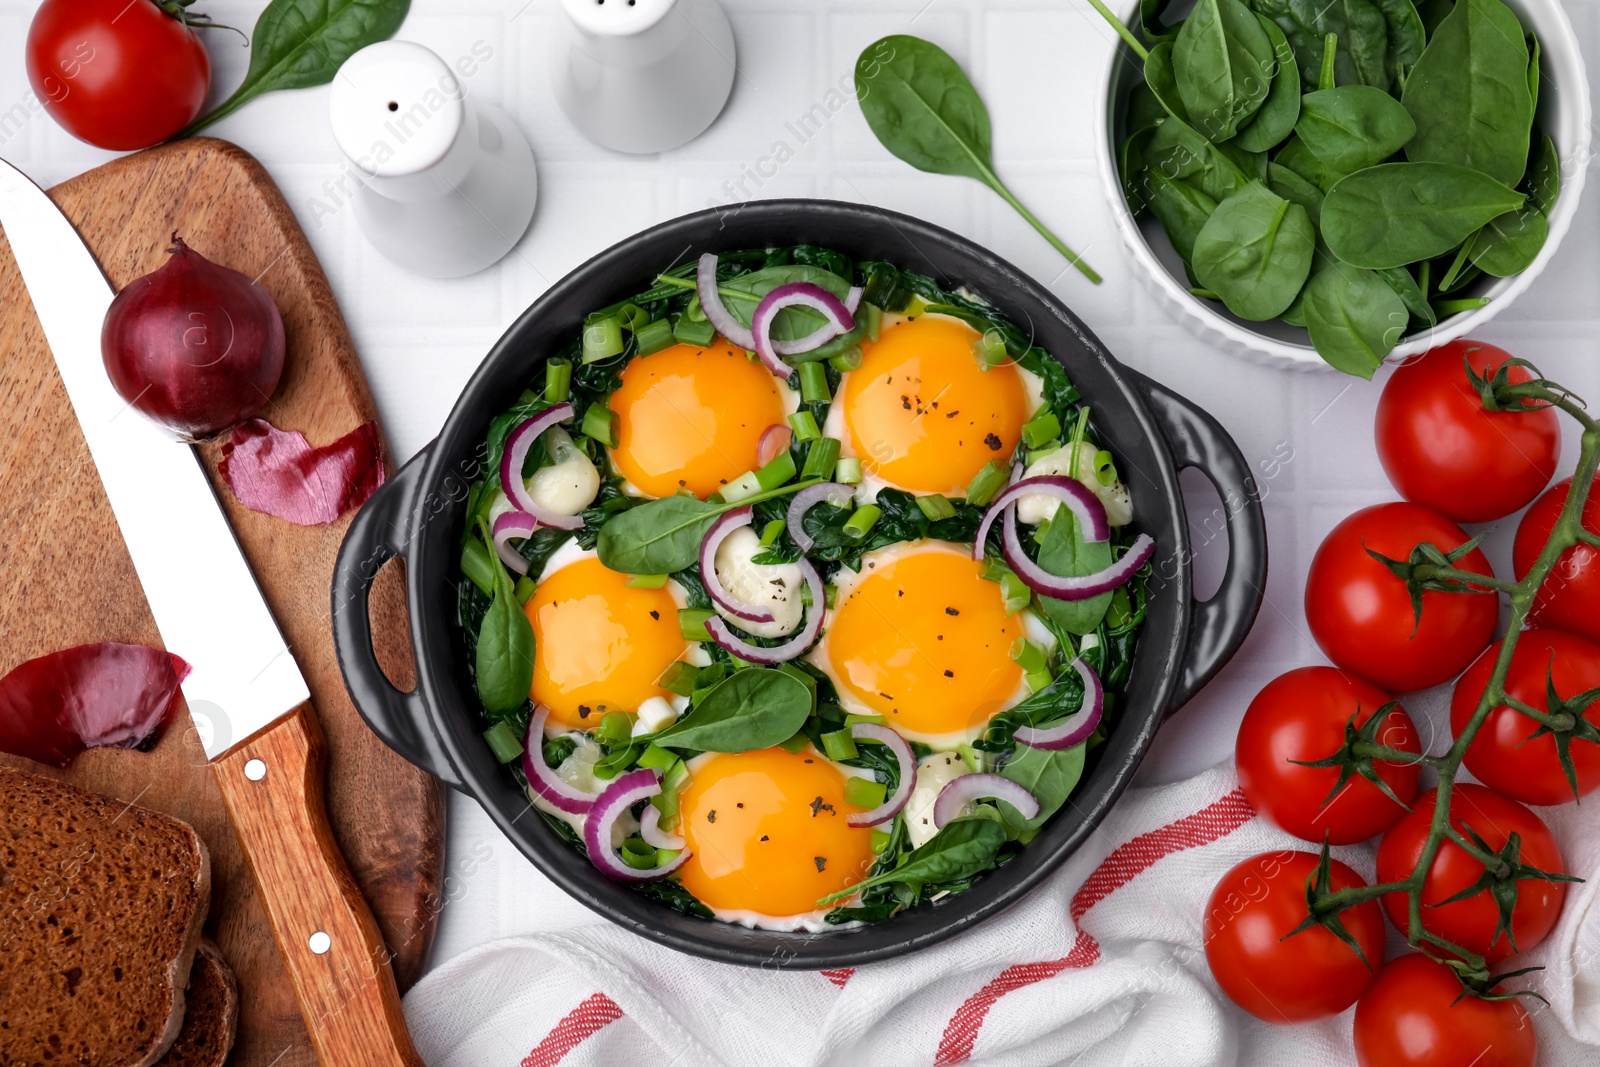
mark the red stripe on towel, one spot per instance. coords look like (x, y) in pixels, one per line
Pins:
(580, 1024)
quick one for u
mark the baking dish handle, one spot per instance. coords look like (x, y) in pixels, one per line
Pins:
(377, 535)
(1217, 627)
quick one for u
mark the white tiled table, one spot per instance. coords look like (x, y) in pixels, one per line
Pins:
(1036, 63)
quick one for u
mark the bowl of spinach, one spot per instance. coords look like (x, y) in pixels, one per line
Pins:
(1342, 183)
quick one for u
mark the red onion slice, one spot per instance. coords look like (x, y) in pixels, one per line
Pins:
(511, 524)
(726, 523)
(518, 442)
(774, 441)
(618, 797)
(705, 283)
(833, 492)
(724, 636)
(542, 778)
(870, 731)
(1085, 506)
(1081, 587)
(795, 294)
(822, 334)
(1075, 728)
(959, 792)
(650, 829)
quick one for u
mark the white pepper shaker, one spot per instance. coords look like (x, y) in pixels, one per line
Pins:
(642, 75)
(448, 182)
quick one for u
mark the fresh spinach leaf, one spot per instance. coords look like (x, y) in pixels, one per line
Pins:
(1398, 213)
(1363, 32)
(923, 109)
(1354, 317)
(1049, 776)
(1353, 126)
(1255, 252)
(1469, 93)
(1162, 81)
(1410, 293)
(1508, 245)
(1180, 153)
(1407, 38)
(1544, 176)
(753, 708)
(300, 43)
(962, 849)
(1534, 55)
(660, 537)
(1281, 109)
(1182, 209)
(1295, 189)
(503, 659)
(1295, 156)
(1223, 62)
(1064, 552)
(742, 294)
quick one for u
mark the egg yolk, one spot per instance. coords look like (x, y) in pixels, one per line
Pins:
(599, 646)
(925, 641)
(692, 418)
(923, 415)
(768, 833)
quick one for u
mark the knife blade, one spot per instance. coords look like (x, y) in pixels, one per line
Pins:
(249, 702)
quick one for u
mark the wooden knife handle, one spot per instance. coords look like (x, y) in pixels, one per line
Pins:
(272, 786)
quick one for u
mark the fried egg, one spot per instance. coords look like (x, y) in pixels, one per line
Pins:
(599, 645)
(922, 414)
(692, 418)
(919, 637)
(768, 835)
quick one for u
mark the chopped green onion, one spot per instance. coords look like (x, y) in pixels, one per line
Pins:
(1037, 680)
(503, 742)
(804, 423)
(1041, 430)
(1121, 609)
(666, 802)
(1048, 448)
(805, 594)
(678, 678)
(524, 588)
(879, 840)
(821, 457)
(602, 339)
(557, 380)
(665, 856)
(848, 360)
(993, 569)
(747, 484)
(1105, 470)
(830, 595)
(646, 581)
(654, 336)
(839, 745)
(851, 720)
(795, 744)
(860, 524)
(1028, 656)
(600, 423)
(676, 777)
(692, 623)
(814, 383)
(776, 473)
(848, 471)
(638, 854)
(770, 532)
(870, 318)
(688, 331)
(971, 758)
(990, 348)
(1016, 593)
(656, 757)
(986, 483)
(1078, 432)
(863, 792)
(477, 565)
(936, 507)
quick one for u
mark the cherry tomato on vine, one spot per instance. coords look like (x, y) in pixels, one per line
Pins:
(1473, 923)
(1360, 612)
(1275, 977)
(1570, 598)
(1415, 1016)
(1505, 756)
(1443, 450)
(1301, 717)
(120, 74)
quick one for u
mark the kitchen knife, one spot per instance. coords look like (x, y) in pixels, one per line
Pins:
(249, 703)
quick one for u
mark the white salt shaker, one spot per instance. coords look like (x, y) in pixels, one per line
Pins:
(642, 75)
(448, 183)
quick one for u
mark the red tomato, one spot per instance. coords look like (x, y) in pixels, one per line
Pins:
(1412, 1017)
(1570, 597)
(1301, 716)
(1505, 756)
(1287, 979)
(1471, 923)
(1361, 615)
(120, 74)
(1440, 447)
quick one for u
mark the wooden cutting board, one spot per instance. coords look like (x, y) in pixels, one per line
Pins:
(68, 579)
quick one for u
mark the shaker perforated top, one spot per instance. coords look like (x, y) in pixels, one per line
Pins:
(617, 18)
(396, 108)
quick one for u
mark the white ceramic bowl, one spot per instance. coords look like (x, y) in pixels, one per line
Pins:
(1564, 113)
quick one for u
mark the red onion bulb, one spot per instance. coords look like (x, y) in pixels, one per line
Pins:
(195, 346)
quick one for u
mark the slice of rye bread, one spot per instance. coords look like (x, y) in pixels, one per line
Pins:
(101, 905)
(211, 1017)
